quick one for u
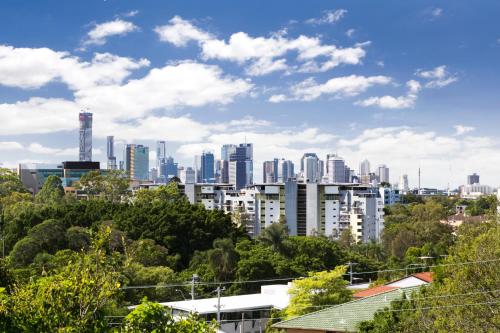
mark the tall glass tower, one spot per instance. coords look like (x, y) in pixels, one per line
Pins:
(85, 136)
(111, 152)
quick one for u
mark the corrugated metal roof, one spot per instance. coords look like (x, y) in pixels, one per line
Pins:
(345, 317)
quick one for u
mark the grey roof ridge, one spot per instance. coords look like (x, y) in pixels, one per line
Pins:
(401, 289)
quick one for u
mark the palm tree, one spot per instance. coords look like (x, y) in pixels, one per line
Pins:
(275, 235)
(223, 259)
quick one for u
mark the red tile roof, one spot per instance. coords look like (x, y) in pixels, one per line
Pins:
(424, 276)
(373, 291)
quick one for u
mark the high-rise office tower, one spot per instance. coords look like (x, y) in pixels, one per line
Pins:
(311, 168)
(240, 166)
(364, 168)
(197, 168)
(187, 175)
(383, 174)
(225, 153)
(268, 172)
(170, 168)
(336, 169)
(403, 183)
(473, 179)
(137, 161)
(207, 167)
(110, 150)
(218, 170)
(85, 136)
(285, 170)
(161, 157)
(161, 153)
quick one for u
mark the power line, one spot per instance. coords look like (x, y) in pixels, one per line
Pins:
(388, 310)
(185, 284)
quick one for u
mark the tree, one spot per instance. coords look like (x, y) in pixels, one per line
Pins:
(346, 239)
(462, 298)
(24, 252)
(317, 291)
(138, 275)
(72, 300)
(274, 235)
(10, 183)
(152, 317)
(78, 238)
(223, 259)
(148, 253)
(52, 190)
(112, 185)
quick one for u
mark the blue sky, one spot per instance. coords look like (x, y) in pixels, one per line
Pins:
(406, 83)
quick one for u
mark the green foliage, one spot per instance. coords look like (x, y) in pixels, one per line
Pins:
(112, 185)
(151, 317)
(78, 238)
(148, 253)
(138, 275)
(9, 183)
(462, 297)
(223, 259)
(51, 192)
(417, 225)
(177, 225)
(24, 252)
(484, 205)
(72, 300)
(317, 291)
(274, 235)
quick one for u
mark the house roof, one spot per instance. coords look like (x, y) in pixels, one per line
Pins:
(271, 296)
(345, 317)
(373, 291)
(424, 276)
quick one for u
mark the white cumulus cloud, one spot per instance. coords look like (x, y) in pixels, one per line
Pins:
(344, 86)
(31, 68)
(437, 77)
(390, 102)
(462, 129)
(101, 32)
(329, 17)
(179, 32)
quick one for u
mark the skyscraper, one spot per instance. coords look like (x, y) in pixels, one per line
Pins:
(225, 153)
(110, 149)
(403, 184)
(364, 168)
(310, 168)
(137, 161)
(161, 156)
(285, 170)
(207, 167)
(170, 168)
(161, 153)
(85, 136)
(336, 169)
(473, 179)
(240, 166)
(383, 174)
(268, 171)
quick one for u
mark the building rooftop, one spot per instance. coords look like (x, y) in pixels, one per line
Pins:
(346, 317)
(271, 296)
(373, 291)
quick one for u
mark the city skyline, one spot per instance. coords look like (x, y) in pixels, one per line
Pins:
(400, 100)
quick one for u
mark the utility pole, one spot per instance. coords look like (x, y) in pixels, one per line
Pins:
(194, 278)
(350, 270)
(219, 290)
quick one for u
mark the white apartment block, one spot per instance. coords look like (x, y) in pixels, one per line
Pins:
(307, 208)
